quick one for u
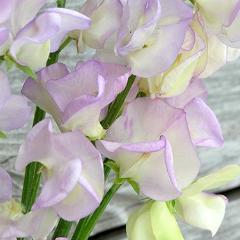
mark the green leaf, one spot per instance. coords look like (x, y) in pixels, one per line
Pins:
(3, 135)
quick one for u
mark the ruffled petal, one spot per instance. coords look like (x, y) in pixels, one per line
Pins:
(195, 89)
(203, 125)
(59, 185)
(186, 162)
(141, 122)
(172, 27)
(36, 90)
(38, 146)
(105, 18)
(203, 210)
(214, 180)
(6, 186)
(139, 21)
(71, 210)
(155, 174)
(23, 12)
(46, 32)
(82, 94)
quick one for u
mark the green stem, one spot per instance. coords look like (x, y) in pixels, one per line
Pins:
(85, 227)
(61, 3)
(63, 229)
(116, 106)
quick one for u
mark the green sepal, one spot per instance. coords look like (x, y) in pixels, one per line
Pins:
(134, 185)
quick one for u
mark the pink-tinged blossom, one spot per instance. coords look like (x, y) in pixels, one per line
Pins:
(204, 127)
(69, 163)
(151, 144)
(146, 35)
(189, 63)
(13, 224)
(31, 37)
(11, 106)
(76, 99)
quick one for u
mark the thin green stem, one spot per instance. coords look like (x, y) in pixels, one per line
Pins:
(63, 229)
(61, 3)
(53, 57)
(116, 106)
(85, 227)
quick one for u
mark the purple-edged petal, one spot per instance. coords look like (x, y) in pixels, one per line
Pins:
(44, 35)
(127, 154)
(36, 90)
(172, 26)
(38, 224)
(79, 203)
(6, 186)
(144, 120)
(69, 20)
(155, 174)
(60, 184)
(105, 16)
(195, 89)
(14, 106)
(186, 162)
(24, 12)
(38, 146)
(82, 94)
(203, 210)
(203, 125)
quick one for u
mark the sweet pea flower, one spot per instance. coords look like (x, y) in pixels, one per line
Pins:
(30, 37)
(69, 162)
(11, 106)
(76, 99)
(188, 64)
(144, 142)
(224, 22)
(156, 220)
(13, 224)
(146, 35)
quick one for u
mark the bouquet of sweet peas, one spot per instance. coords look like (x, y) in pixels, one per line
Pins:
(136, 108)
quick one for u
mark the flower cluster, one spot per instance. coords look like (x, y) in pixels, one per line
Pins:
(137, 106)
